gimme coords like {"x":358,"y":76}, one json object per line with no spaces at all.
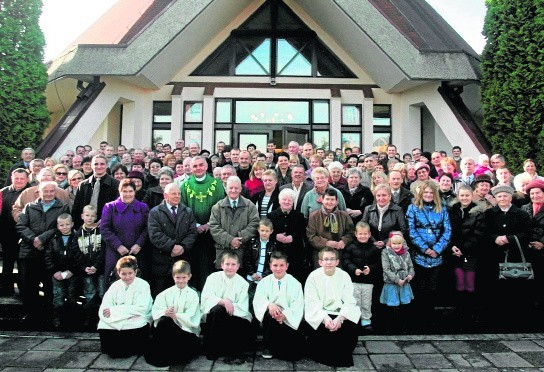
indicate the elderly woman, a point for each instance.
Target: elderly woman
{"x":313,"y":198}
{"x":152,"y":179}
{"x":429,"y":229}
{"x":383,"y":216}
{"x":289,"y":232}
{"x":520,"y":196}
{"x":329,"y":226}
{"x":137,"y":179}
{"x":535,"y":189}
{"x":267,"y":200}
{"x":357,"y":196}
{"x":124,"y":229}
{"x":155,"y":195}
{"x":506,"y":226}
{"x":255,"y":183}
{"x":335,"y":174}
{"x":529,"y":168}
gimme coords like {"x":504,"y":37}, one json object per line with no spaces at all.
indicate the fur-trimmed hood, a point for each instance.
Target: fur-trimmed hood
{"x":475,"y":208}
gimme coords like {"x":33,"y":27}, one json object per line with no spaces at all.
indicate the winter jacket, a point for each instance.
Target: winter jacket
{"x":109,"y":190}
{"x":467,"y":233}
{"x":89,"y":242}
{"x":252,"y":252}
{"x":537,"y":228}
{"x":428,"y":230}
{"x":357,"y":255}
{"x":396,"y":267}
{"x":62,"y":257}
{"x":153,"y":196}
{"x":361,"y":198}
{"x":34,"y":222}
{"x":392,"y":220}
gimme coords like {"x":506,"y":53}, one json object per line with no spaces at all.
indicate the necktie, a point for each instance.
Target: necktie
{"x":96,"y":191}
{"x":174,"y":212}
{"x":234,"y":205}
{"x":279,"y":285}
{"x":396,"y":196}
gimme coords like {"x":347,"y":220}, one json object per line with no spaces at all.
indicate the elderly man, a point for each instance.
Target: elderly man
{"x":244,"y":166}
{"x":233,"y":222}
{"x":294,"y":149}
{"x":201,"y":192}
{"x":194,"y":149}
{"x":228,"y":170}
{"x":36,"y":225}
{"x":172,"y":233}
{"x":466,"y":177}
{"x":314,"y":198}
{"x":9,"y":238}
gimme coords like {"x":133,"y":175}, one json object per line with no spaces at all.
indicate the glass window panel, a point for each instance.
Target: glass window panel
{"x":351,"y":115}
{"x":161,"y":135}
{"x":223,"y":135}
{"x":351,"y":140}
{"x":259,"y":140}
{"x":382,"y":115}
{"x":193,"y":112}
{"x":328,"y":65}
{"x":162,"y":118}
{"x":192,"y":135}
{"x":380,"y":140}
{"x":223,"y":111}
{"x":290,"y":61}
{"x":321,"y":138}
{"x":162,"y":112}
{"x":253,"y":56}
{"x":321,"y":112}
{"x":272,"y":112}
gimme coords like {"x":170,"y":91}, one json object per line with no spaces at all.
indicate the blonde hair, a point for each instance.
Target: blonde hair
{"x":396,"y":237}
{"x":257,"y":165}
{"x":418,"y":200}
{"x":181,"y":267}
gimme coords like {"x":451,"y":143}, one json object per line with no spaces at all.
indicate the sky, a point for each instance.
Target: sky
{"x":59,"y":16}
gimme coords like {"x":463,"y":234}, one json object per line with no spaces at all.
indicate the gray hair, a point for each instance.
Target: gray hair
{"x":356,"y":171}
{"x":335,"y":165}
{"x":234,"y":179}
{"x":167,"y":171}
{"x":287,"y":192}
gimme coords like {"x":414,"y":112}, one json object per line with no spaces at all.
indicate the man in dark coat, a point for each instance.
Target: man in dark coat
{"x":172,"y":232}
{"x":109,"y":190}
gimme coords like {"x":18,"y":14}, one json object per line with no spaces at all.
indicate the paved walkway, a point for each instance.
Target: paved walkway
{"x":65,"y":351}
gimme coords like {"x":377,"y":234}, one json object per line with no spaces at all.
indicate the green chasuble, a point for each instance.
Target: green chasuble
{"x":201,"y":196}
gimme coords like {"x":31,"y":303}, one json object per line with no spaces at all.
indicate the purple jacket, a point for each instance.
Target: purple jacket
{"x":122,"y":224}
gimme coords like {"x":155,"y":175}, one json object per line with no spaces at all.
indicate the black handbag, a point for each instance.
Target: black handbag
{"x":516,"y":270}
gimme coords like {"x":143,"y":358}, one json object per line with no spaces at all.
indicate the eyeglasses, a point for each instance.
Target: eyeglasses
{"x":65,"y":161}
{"x":329,"y":259}
{"x":61,"y":173}
{"x":77,"y":179}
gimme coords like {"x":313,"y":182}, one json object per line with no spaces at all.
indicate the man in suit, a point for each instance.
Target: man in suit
{"x":400,"y":196}
{"x":299,"y":185}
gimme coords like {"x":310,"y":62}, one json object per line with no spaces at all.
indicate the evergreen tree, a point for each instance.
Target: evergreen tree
{"x":23,"y":77}
{"x":513,"y":79}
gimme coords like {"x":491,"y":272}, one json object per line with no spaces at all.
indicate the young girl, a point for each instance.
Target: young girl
{"x":398,"y":271}
{"x":125,"y":313}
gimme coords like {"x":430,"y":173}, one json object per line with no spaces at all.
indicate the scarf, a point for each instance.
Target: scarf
{"x":381,"y":212}
{"x":330,"y":221}
{"x":400,"y":252}
{"x":536,"y":208}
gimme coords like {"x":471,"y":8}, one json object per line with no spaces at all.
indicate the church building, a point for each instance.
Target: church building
{"x":337,"y":73}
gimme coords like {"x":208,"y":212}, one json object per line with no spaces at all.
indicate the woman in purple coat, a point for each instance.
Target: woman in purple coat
{"x":124,"y":229}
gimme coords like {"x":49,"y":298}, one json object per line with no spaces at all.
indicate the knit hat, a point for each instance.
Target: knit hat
{"x":483,"y":178}
{"x":136,"y":174}
{"x":420,"y":165}
{"x":539,"y":184}
{"x":502,"y":188}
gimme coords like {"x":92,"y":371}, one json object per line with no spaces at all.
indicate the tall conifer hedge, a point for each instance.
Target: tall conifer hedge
{"x":23,"y":77}
{"x":513,"y":80}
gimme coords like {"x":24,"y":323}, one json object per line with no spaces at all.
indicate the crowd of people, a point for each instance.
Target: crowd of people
{"x":297,"y":243}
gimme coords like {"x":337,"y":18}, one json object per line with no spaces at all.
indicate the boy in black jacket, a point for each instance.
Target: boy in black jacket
{"x":362,"y":261}
{"x":65,"y":263}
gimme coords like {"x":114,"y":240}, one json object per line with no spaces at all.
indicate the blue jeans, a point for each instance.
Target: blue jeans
{"x":64,"y":291}
{"x":93,"y":290}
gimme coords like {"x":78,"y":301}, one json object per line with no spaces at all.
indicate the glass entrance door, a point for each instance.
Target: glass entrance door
{"x":258,"y":139}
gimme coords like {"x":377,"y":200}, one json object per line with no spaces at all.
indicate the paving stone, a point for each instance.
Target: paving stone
{"x":21,"y":343}
{"x":535,"y":358}
{"x":507,"y":359}
{"x":36,"y":358}
{"x":473,"y":360}
{"x":382,"y":347}
{"x":307,"y":364}
{"x":59,"y":344}
{"x":360,"y":363}
{"x":63,"y":370}
{"x":6,"y":357}
{"x":456,"y":347}
{"x":522,"y":346}
{"x":86,"y":345}
{"x":105,"y":362}
{"x":491,"y":346}
{"x":141,"y":365}
{"x":458,"y":360}
{"x":360,"y":349}
{"x":222,"y":364}
{"x":417,"y":347}
{"x":432,"y":361}
{"x":261,"y":364}
{"x":75,"y":359}
{"x":3,"y":339}
{"x":18,"y":369}
{"x":391,"y":362}
{"x":197,"y":364}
